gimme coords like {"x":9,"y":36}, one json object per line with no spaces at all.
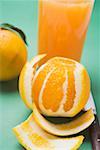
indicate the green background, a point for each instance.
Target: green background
{"x":23,"y":13}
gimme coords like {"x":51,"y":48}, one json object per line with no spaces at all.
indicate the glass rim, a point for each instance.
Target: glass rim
{"x":65,"y":2}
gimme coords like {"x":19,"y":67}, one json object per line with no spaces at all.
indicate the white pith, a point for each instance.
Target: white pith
{"x":26,"y":140}
{"x":54,"y":142}
{"x":28,"y":82}
{"x":40,"y":130}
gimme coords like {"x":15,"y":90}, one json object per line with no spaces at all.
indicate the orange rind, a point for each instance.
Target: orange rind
{"x":32,"y":137}
{"x":26,"y":79}
{"x":66,"y":129}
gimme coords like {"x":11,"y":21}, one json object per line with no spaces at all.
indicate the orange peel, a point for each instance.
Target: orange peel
{"x":26,"y":78}
{"x":32,"y":137}
{"x":66,"y":129}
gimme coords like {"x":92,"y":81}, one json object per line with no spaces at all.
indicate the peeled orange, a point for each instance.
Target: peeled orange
{"x":61,"y":87}
{"x":58,"y":88}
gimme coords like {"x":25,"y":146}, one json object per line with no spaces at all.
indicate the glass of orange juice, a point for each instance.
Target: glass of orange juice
{"x":62,"y":27}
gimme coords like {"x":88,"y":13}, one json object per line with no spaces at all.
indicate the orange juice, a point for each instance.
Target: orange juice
{"x":62,"y":27}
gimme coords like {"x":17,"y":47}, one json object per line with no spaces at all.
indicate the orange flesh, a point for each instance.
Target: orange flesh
{"x":53,"y":92}
{"x":40,"y":79}
{"x":38,"y":84}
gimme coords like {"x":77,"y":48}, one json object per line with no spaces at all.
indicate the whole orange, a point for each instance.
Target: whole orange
{"x":13,"y":54}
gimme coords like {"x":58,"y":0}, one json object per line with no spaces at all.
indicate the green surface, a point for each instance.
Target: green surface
{"x":23,"y":13}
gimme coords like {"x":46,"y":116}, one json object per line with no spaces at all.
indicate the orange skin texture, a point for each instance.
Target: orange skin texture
{"x":13,"y":54}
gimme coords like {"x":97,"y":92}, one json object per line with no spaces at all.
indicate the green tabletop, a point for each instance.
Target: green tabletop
{"x":23,"y":13}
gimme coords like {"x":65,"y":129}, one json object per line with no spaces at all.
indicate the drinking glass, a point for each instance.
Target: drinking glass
{"x":63,"y":26}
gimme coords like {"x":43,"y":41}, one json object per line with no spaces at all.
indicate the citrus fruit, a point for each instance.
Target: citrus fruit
{"x":32,"y":137}
{"x":26,"y":78}
{"x":61,"y":87}
{"x":66,"y":129}
{"x":13,"y":54}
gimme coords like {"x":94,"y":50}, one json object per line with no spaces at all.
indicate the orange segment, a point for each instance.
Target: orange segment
{"x":38,"y":81}
{"x":53,"y":92}
{"x":41,"y":75}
